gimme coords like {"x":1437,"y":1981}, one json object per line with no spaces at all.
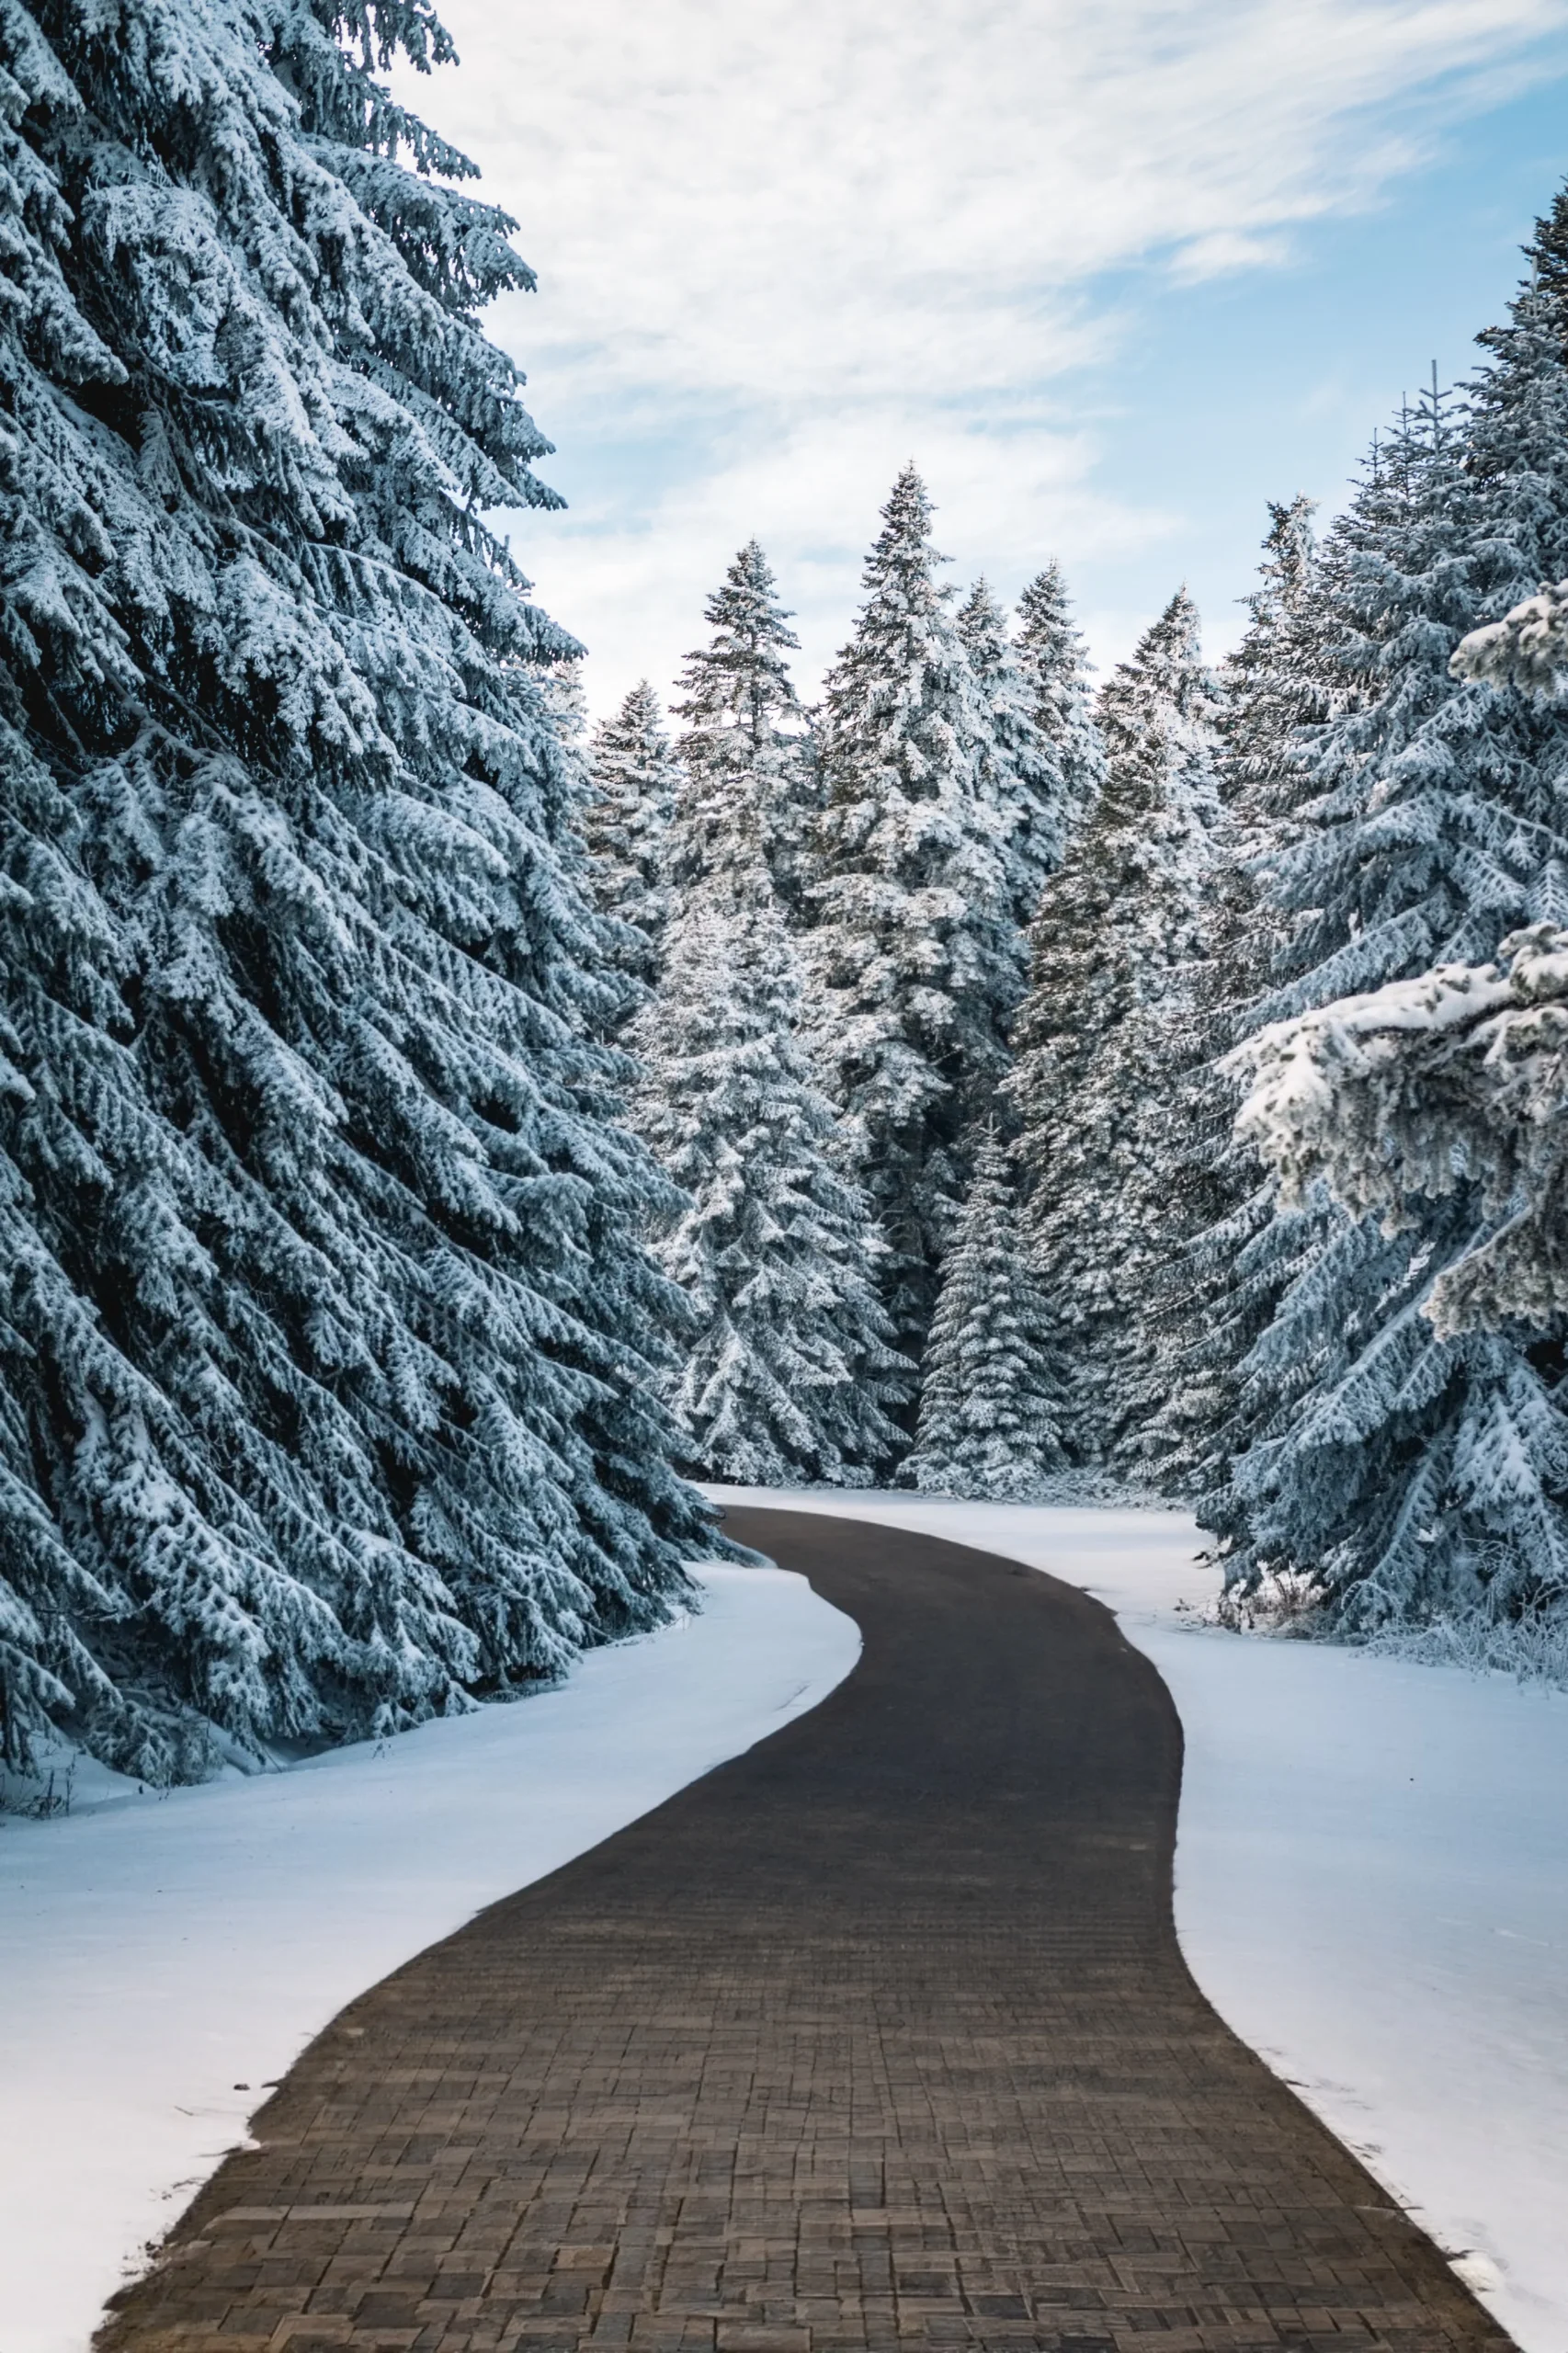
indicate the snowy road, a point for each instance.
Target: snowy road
{"x":1372,"y":1887}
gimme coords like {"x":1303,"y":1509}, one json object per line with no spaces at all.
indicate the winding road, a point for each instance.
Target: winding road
{"x":877,"y":2037}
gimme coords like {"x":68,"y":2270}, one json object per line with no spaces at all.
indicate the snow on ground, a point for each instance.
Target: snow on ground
{"x":164,"y":1957}
{"x":1371,"y":1885}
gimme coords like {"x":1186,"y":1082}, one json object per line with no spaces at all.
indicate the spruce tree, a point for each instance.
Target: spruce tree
{"x":1410,"y":1468}
{"x":993,"y":1393}
{"x":326,"y":1340}
{"x":1051,"y":655}
{"x":747,"y":749}
{"x":1021,"y":772}
{"x":1217,"y":1292}
{"x":1119,"y":935}
{"x":916,"y":945}
{"x":789,"y":1375}
{"x":633,"y":777}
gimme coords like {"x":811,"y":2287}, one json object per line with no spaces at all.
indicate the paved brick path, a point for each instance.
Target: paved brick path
{"x":879,"y":2037}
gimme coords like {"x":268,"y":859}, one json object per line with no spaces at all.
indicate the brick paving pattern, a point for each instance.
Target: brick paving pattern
{"x":877,"y":2038}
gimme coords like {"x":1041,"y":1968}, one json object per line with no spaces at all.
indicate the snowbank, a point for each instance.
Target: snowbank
{"x":1372,"y":1885}
{"x":164,"y":1957}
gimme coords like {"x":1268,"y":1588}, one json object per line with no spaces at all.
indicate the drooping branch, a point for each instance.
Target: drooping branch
{"x":1455,"y":1079}
{"x":1528,"y":648}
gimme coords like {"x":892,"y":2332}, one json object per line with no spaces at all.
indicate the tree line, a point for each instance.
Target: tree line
{"x":420,"y":1146}
{"x":1043,"y":947}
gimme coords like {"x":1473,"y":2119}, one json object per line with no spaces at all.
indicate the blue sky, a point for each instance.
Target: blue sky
{"x":1256,"y":384}
{"x":1114,"y":276}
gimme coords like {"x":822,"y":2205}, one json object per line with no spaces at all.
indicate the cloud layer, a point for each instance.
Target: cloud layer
{"x":781,"y":247}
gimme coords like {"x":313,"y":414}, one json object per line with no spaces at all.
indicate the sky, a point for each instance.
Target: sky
{"x":1114,"y":276}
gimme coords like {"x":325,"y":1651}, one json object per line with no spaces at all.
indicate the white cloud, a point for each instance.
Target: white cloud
{"x":811,"y":492}
{"x":782,"y":246}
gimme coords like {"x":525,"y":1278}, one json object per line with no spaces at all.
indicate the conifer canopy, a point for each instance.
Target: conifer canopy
{"x":326,"y":1333}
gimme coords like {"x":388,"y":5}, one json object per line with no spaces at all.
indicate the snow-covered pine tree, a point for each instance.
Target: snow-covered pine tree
{"x":1408,"y":1469}
{"x":325,"y":1334}
{"x":789,"y":1375}
{"x":634,"y":777}
{"x":1022,"y":772}
{"x":1119,"y":934}
{"x":747,"y":749}
{"x":915,"y":946}
{"x":1051,"y":656}
{"x":993,"y":1394}
{"x":1217,"y":1293}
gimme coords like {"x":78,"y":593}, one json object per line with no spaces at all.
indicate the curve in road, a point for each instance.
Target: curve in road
{"x":878,"y":2037}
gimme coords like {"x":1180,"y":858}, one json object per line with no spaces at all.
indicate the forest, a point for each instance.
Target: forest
{"x":433,"y":1135}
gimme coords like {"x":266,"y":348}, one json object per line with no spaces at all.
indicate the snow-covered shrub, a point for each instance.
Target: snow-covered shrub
{"x":1532,"y":1648}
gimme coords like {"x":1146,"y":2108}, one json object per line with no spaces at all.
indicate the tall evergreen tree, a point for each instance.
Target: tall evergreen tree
{"x":1121,"y":931}
{"x":916,"y":945}
{"x":326,"y":1338}
{"x":1412,"y":1470}
{"x":789,"y":1374}
{"x":1216,"y":1294}
{"x":633,"y":775}
{"x":993,"y":1394}
{"x":1050,"y":655}
{"x":747,"y":749}
{"x":1021,"y":772}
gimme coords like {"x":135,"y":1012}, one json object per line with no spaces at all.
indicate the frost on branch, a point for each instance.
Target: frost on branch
{"x":1456,"y":1080}
{"x":1528,"y":647}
